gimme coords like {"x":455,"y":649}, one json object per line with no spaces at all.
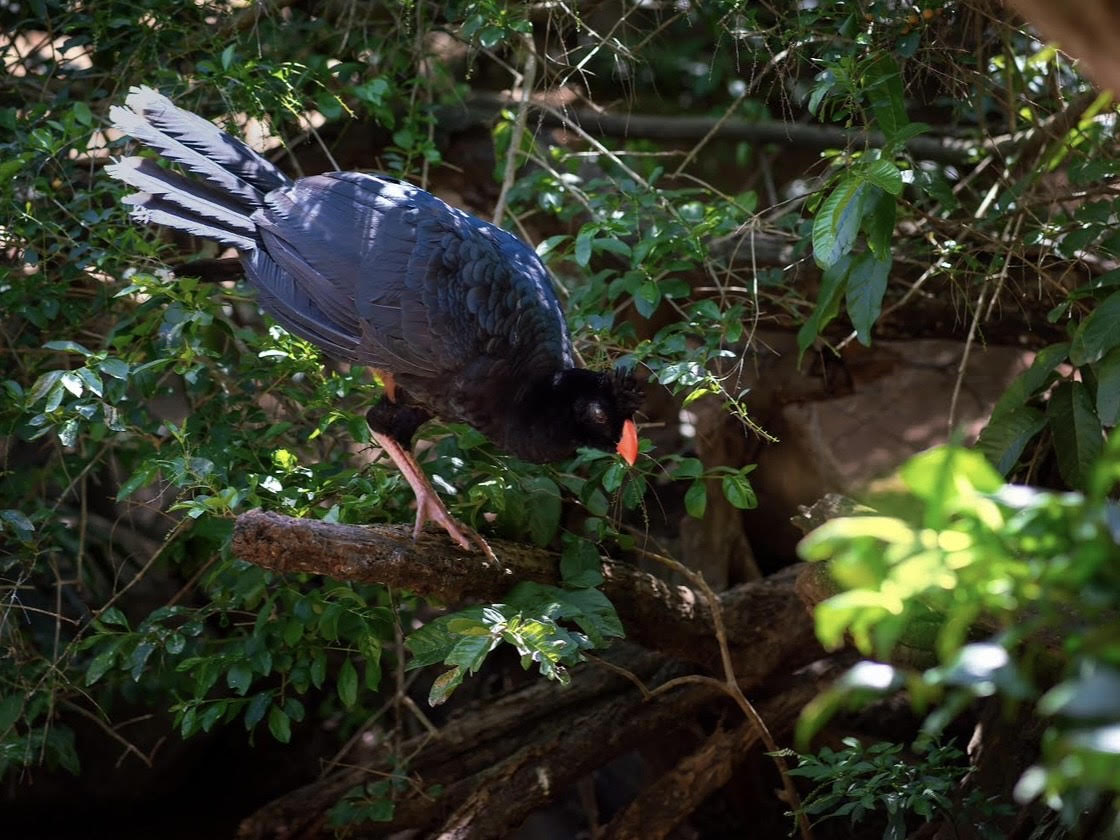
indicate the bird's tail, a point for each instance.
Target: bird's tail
{"x":235,"y":178}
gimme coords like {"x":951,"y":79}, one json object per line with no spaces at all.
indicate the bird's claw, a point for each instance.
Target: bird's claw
{"x":430,"y":508}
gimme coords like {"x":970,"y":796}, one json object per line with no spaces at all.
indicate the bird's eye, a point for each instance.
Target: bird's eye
{"x":597,"y":413}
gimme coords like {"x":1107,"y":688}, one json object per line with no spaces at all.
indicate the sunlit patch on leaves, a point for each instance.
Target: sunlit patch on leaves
{"x":530,"y":622}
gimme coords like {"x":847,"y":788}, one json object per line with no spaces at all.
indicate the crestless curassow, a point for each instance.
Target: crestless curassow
{"x":457,"y":316}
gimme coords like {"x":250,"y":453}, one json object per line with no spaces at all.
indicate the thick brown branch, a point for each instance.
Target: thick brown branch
{"x":489,"y":735}
{"x":1087,"y":31}
{"x":662,"y":806}
{"x":767,"y":625}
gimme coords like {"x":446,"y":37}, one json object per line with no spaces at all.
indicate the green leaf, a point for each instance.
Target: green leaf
{"x":444,"y":684}
{"x":543,"y":506}
{"x":1098,"y":334}
{"x":373,"y":673}
{"x":687,"y":468}
{"x":828,"y":304}
{"x":611,"y":245}
{"x":101,"y":664}
{"x":837,"y":221}
{"x":44,"y":385}
{"x":432,"y":642}
{"x":647,"y":297}
{"x":1007,"y":435}
{"x":138,"y":479}
{"x":318,"y":669}
{"x":696,"y":499}
{"x":54,"y":398}
{"x":1032,"y":380}
{"x":1076,"y":431}
{"x":580,"y":564}
{"x":884,"y":91}
{"x":878,"y":224}
{"x":867,"y":283}
{"x":885,"y":175}
{"x":254,"y":712}
{"x":116,"y":368}
{"x":348,"y":684}
{"x":139,"y":658}
{"x":91,"y":381}
{"x":471,"y":651}
{"x":71,"y":382}
{"x":584,"y":239}
{"x":239,"y":677}
{"x":1108,"y":388}
{"x":737,"y":489}
{"x":279,"y":725}
{"x":491,"y":36}
{"x":18,"y":520}
{"x":293,"y":631}
{"x":593,"y":612}
{"x":67,"y":347}
{"x":11,"y":707}
{"x":187,"y":723}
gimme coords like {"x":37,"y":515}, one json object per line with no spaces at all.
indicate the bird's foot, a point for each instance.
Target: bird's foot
{"x":429,"y":508}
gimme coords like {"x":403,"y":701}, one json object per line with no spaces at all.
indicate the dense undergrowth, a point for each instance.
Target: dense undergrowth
{"x":143,"y":410}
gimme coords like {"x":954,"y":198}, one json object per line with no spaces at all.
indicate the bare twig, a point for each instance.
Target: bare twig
{"x":730,"y":684}
{"x":528,"y":77}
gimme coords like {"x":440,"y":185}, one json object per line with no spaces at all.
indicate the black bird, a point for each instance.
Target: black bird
{"x":456,"y":315}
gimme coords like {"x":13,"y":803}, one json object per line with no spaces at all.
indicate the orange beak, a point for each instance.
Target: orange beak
{"x":628,"y":443}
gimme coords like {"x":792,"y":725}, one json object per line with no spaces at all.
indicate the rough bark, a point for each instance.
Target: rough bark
{"x":767,"y":625}
{"x":500,"y":761}
{"x":1088,"y":31}
{"x":532,"y":742}
{"x":670,"y":799}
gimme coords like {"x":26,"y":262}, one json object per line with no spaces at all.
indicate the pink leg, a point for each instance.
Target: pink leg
{"x":428,"y":504}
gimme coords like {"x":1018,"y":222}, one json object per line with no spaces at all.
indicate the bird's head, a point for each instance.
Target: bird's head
{"x":579,"y":407}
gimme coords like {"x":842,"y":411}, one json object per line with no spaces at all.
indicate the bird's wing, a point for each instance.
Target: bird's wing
{"x":427,"y":289}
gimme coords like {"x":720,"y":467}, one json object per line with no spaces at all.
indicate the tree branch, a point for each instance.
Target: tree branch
{"x":668,"y":800}
{"x":767,"y":625}
{"x":482,"y":107}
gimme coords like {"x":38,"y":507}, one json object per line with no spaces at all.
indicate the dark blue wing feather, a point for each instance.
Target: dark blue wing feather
{"x":428,"y":288}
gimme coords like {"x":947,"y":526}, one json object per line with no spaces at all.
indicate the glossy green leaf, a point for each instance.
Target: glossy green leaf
{"x":1108,"y":388}
{"x":837,"y":221}
{"x":885,"y":175}
{"x":1007,"y":435}
{"x":543,"y":506}
{"x":1076,"y":430}
{"x":696,"y":499}
{"x":444,"y":685}
{"x":737,"y":489}
{"x":580,"y":564}
{"x":867,"y":283}
{"x":348,"y":683}
{"x":828,"y":304}
{"x":1098,"y":334}
{"x":239,"y":677}
{"x":279,"y":725}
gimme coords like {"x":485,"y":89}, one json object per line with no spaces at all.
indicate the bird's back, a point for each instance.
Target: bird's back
{"x":461,"y":312}
{"x":369,"y":268}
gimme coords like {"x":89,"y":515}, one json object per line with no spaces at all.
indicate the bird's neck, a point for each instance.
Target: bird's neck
{"x":538,"y":426}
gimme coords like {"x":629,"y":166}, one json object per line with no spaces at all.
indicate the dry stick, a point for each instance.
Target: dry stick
{"x":967,"y":353}
{"x":718,"y":124}
{"x":528,"y":77}
{"x":108,"y":730}
{"x":730,"y":685}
